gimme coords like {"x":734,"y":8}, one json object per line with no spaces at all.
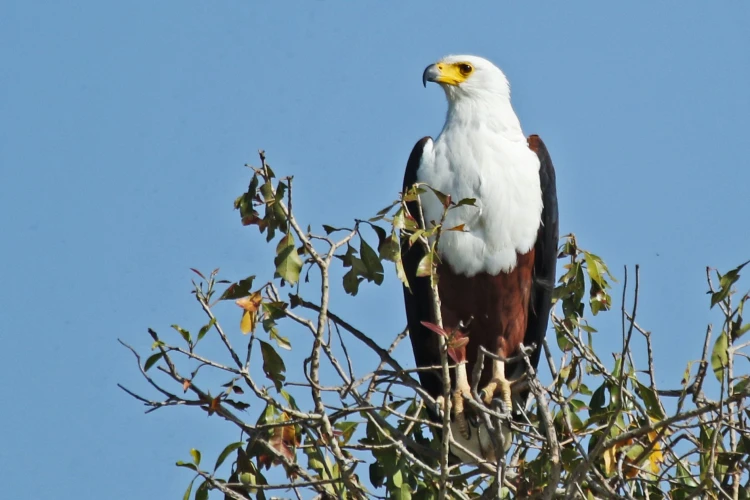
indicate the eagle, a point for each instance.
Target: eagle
{"x":496,"y":269}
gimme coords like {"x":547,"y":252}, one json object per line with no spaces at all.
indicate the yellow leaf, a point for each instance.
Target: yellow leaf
{"x":251,"y":303}
{"x":247,"y":324}
{"x":656,"y":457}
{"x":610,"y":459}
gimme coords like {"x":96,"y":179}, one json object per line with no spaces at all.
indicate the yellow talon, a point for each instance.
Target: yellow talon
{"x":494,"y":386}
{"x":459,"y":415}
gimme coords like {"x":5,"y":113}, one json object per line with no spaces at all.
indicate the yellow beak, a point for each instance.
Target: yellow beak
{"x":442,"y":73}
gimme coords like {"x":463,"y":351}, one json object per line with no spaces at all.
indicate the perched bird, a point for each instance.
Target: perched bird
{"x":496,"y":270}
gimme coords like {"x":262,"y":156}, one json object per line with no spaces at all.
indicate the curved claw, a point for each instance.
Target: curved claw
{"x":439,"y":404}
{"x":485,"y":395}
{"x":499,"y":405}
{"x":459,"y":415}
{"x":499,"y":386}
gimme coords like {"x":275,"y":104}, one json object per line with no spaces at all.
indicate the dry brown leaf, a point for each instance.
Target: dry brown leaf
{"x":284,"y":440}
{"x":214,"y":405}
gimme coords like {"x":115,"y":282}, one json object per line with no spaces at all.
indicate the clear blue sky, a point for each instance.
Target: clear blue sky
{"x":124,"y":127}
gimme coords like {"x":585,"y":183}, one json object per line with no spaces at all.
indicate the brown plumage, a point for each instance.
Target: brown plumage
{"x":493,"y":308}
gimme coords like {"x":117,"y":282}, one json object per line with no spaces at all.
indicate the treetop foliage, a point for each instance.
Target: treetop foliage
{"x":597,"y":427}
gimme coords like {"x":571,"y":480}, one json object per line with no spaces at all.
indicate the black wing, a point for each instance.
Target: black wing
{"x":418,"y":300}
{"x":545,"y":262}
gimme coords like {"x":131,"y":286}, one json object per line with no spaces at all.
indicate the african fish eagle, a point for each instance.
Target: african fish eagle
{"x":496,"y":276}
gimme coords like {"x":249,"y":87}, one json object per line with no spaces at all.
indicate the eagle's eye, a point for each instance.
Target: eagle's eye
{"x":465,"y":69}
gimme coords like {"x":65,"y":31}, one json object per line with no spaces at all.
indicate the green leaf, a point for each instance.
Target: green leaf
{"x":330,"y":229}
{"x":599,"y":300}
{"x":238,"y":290}
{"x":347,"y":429}
{"x":424,"y":268}
{"x":371,"y":262}
{"x":684,"y":475}
{"x":377,"y":474}
{"x":389,"y":248}
{"x":403,"y":493}
{"x":196,"y":454}
{"x":401,"y":273}
{"x":274,"y":310}
{"x":562,"y":341}
{"x":445,"y":199}
{"x":287,"y":261}
{"x":351,"y":282}
{"x":467,"y":201}
{"x":397,"y":478}
{"x":203,"y":331}
{"x":202,"y":492}
{"x":635,"y":451}
{"x":739,"y":331}
{"x":278,"y":212}
{"x":273,"y":365}
{"x":224,"y":454}
{"x":743,"y":386}
{"x":152,"y":360}
{"x":282,"y":342}
{"x":382,"y":233}
{"x":349,"y":257}
{"x":383,"y":212}
{"x":189,"y":490}
{"x":184,"y":333}
{"x":289,"y":399}
{"x":399,"y":219}
{"x":575,"y":421}
{"x":266,"y":190}
{"x":187,"y":465}
{"x":592,"y":266}
{"x":720,"y":356}
{"x":725,"y":283}
{"x":651,"y":400}
{"x":415,"y":236}
{"x":315,"y":463}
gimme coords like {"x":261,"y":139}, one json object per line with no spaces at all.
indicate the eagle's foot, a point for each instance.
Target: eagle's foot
{"x":459,"y":414}
{"x":439,"y":404}
{"x":497,"y":386}
{"x":499,"y":406}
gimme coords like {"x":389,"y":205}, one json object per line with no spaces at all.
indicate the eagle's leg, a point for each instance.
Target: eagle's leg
{"x":462,"y":390}
{"x":498,"y":382}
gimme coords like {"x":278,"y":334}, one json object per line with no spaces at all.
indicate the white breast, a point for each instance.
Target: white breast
{"x":503,"y":175}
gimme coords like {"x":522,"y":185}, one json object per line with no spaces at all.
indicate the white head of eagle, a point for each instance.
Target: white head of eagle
{"x":497,"y":258}
{"x":468,"y":76}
